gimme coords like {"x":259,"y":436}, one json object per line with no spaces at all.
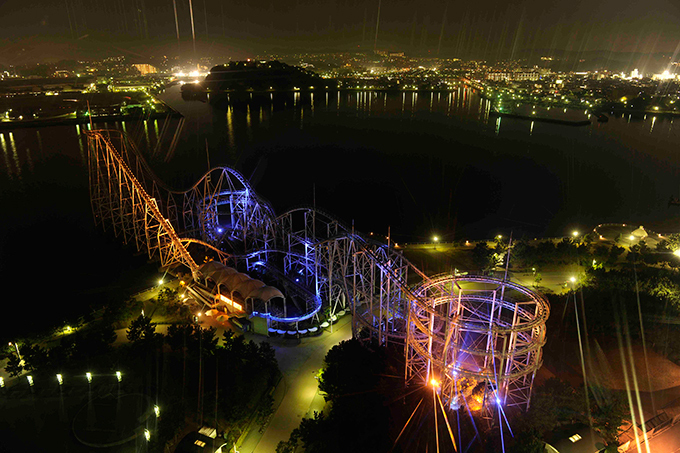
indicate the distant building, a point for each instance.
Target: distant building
{"x":517,"y":76}
{"x":575,"y":439}
{"x":204,"y":440}
{"x":37,"y":86}
{"x":666,"y":75}
{"x":145,"y":69}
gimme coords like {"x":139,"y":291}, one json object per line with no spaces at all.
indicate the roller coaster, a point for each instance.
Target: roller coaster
{"x":478,"y":338}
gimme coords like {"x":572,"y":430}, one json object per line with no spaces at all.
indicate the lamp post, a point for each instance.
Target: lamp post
{"x":435,"y":239}
{"x":16,"y":346}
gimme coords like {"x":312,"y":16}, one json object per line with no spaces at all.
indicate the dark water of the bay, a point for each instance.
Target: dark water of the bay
{"x":421,"y":163}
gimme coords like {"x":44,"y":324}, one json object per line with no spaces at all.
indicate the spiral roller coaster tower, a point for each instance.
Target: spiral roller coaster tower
{"x":478,"y":338}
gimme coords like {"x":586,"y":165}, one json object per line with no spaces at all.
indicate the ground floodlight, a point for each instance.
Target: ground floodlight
{"x":29,"y":378}
{"x":147,"y":435}
{"x":119,"y":376}
{"x":60,"y":379}
{"x":88,"y":375}
{"x":157,"y":410}
{"x":2,"y":382}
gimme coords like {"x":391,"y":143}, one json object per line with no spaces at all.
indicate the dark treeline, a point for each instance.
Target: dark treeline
{"x":185,"y":371}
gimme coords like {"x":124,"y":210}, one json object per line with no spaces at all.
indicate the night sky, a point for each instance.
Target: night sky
{"x":35,"y":30}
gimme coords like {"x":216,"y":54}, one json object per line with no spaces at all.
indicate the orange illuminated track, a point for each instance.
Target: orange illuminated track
{"x":464,"y":332}
{"x":119,"y":200}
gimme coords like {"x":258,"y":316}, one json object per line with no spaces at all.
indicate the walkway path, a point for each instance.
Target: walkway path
{"x":298,"y":390}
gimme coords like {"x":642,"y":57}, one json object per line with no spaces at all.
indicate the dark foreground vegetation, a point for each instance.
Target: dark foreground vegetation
{"x":194,"y":381}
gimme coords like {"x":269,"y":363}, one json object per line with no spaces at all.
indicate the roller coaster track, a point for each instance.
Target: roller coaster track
{"x":447,"y":328}
{"x":120,"y":200}
{"x":220,"y":205}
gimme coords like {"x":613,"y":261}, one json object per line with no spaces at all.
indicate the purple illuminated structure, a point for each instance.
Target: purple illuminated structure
{"x":481,"y":338}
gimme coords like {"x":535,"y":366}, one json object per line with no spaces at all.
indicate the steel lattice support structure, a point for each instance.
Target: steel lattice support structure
{"x":380,"y":292}
{"x":460,"y":331}
{"x":467,"y":331}
{"x":347,"y":271}
{"x":120,"y":200}
{"x":220,"y":206}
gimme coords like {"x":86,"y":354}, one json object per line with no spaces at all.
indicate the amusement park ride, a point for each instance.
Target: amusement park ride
{"x":478,"y":338}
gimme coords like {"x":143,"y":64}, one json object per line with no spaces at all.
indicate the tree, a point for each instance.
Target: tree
{"x":662,"y":246}
{"x":268,"y":361}
{"x":171,"y":421}
{"x":166,"y":295}
{"x":527,"y":442}
{"x":141,"y":330}
{"x":14,"y":366}
{"x":351,"y":378}
{"x":94,"y":342}
{"x":177,"y":335}
{"x":35,"y":357}
{"x":673,"y":241}
{"x":348,"y":367}
{"x":614,"y":254}
{"x":121,"y":309}
{"x":608,"y":413}
{"x":482,"y":256}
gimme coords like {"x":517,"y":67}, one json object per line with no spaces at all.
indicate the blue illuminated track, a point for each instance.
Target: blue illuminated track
{"x":453,"y":327}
